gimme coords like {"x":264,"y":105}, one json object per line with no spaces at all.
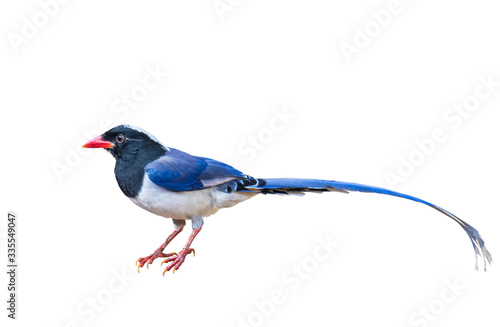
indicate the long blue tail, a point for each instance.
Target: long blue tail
{"x":299,"y":186}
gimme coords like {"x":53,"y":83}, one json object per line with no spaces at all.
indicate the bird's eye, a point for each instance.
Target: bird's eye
{"x":120,"y":138}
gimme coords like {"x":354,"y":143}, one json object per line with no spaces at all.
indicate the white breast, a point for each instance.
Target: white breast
{"x":184,"y":205}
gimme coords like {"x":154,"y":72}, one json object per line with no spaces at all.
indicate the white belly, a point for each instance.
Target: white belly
{"x":184,"y":205}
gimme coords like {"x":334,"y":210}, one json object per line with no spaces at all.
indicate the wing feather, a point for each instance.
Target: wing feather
{"x":178,"y":171}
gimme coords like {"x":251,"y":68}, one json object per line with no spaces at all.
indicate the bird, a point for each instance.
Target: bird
{"x":174,"y":184}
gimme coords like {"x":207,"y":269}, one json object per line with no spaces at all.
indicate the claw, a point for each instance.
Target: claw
{"x":167,"y":260}
{"x":176,"y":261}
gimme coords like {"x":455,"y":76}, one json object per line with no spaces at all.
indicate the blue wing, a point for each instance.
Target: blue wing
{"x":178,"y":171}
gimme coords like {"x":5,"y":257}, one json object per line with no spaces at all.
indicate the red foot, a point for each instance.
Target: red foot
{"x":150,"y":258}
{"x":177,"y":261}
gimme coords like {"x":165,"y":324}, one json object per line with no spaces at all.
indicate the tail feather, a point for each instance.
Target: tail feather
{"x":299,"y":186}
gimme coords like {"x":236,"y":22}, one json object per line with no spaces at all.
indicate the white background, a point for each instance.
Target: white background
{"x":228,"y":74}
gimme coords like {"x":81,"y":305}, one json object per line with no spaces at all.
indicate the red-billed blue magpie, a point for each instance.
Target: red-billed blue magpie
{"x":173,"y":184}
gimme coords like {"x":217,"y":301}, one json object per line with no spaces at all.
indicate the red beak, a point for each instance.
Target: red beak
{"x":98,"y":142}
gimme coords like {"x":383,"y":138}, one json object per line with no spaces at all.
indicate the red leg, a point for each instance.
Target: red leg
{"x":177,"y":261}
{"x":159,"y":252}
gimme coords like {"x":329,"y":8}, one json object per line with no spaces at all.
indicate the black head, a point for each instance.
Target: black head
{"x":133,"y":148}
{"x":126,"y":142}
